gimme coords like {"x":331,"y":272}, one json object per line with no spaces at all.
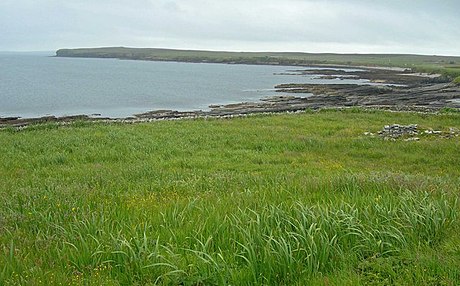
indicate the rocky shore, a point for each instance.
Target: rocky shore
{"x":21,"y":122}
{"x":388,"y":89}
{"x":433,"y":97}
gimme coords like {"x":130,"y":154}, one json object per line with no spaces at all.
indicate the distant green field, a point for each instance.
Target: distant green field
{"x":446,"y":65}
{"x":287,"y":199}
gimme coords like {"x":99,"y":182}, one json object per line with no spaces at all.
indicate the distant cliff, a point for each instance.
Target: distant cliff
{"x":152,"y":54}
{"x":447,"y":65}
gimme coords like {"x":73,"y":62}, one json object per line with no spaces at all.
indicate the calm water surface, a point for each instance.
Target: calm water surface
{"x":33,"y":85}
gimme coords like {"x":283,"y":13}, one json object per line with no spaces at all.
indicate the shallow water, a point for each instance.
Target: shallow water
{"x":33,"y":85}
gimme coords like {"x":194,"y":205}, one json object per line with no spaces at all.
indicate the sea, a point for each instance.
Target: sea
{"x":40,"y":84}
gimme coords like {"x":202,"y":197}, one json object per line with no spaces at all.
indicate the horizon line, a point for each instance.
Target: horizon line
{"x":232,"y":51}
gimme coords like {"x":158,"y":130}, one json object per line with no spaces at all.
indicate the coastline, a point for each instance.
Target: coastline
{"x":386,"y":88}
{"x":278,"y":105}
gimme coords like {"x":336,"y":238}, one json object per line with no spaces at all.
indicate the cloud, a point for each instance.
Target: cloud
{"x":322,"y":25}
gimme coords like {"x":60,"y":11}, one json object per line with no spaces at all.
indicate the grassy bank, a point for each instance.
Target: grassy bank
{"x":289,"y":199}
{"x":449,"y":66}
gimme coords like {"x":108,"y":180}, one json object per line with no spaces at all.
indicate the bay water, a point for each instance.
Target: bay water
{"x":38,"y":84}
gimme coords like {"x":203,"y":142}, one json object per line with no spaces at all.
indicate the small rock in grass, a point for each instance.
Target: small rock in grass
{"x":412,"y":139}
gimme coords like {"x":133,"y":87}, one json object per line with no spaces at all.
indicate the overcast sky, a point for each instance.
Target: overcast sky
{"x":358,"y":26}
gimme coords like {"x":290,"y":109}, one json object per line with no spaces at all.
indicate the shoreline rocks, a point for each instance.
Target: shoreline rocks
{"x":411,"y":93}
{"x":435,"y":96}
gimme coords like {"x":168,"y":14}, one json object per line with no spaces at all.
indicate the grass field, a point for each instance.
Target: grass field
{"x":289,"y":199}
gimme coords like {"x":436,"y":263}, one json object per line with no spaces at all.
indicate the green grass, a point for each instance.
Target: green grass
{"x":457,"y":80}
{"x":291,"y":199}
{"x":448,"y":66}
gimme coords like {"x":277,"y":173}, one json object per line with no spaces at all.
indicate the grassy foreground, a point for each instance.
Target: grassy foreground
{"x":292,"y":199}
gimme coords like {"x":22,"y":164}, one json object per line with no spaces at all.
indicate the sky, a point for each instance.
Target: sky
{"x":350,"y":26}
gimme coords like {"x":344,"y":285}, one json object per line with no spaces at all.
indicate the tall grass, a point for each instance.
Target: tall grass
{"x":226,"y":238}
{"x":272,"y":200}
